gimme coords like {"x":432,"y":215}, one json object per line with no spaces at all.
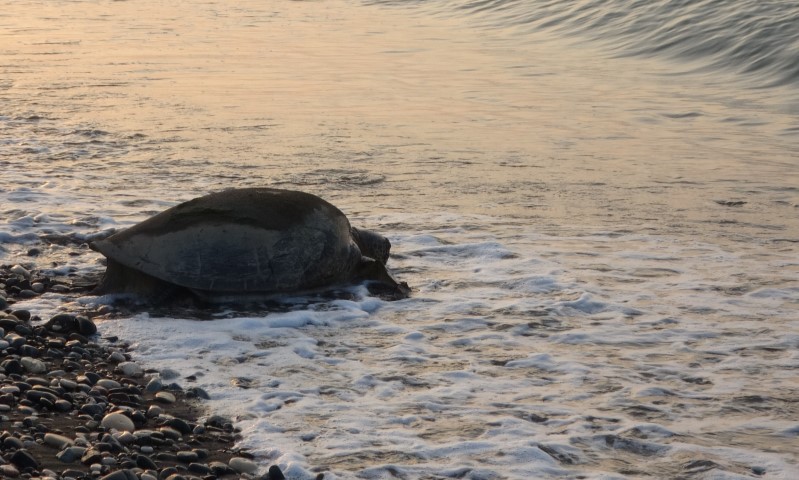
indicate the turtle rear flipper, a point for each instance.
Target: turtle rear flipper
{"x":121,"y":279}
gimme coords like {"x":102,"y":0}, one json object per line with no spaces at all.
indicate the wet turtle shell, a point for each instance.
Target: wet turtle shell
{"x":254,"y":240}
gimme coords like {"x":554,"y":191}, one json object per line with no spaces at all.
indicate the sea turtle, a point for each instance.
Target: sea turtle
{"x":245,"y":244}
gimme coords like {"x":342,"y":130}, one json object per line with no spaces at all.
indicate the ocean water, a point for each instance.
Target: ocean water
{"x":596,"y":204}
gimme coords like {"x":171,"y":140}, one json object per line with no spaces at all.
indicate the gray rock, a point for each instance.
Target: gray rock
{"x":71,"y":454}
{"x":121,"y":475}
{"x":20,"y":270}
{"x":116,"y":357}
{"x":107,"y":383}
{"x":33,"y":365}
{"x":169,"y":374}
{"x":187,"y":456}
{"x":57,"y":441}
{"x":8,"y":471}
{"x":130,"y":369}
{"x":165,"y":397}
{"x":154,"y":385}
{"x":243,"y":465}
{"x":118,"y":421}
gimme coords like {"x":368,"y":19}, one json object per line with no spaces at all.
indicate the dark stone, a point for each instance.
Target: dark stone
{"x":8,"y":324}
{"x":92,"y":409}
{"x":167,"y":472}
{"x":274,"y":473}
{"x":199,"y":469}
{"x":22,"y":315}
{"x":12,"y":366}
{"x":197,"y":392}
{"x":145,"y":462}
{"x":63,"y":323}
{"x":23,"y":330}
{"x":39,"y":395}
{"x":121,"y":475}
{"x":73,"y":474}
{"x":23,"y":459}
{"x":221,"y":469}
{"x":91,"y":456}
{"x":187,"y":456}
{"x":85,"y":326}
{"x":12,"y":443}
{"x":180,"y":425}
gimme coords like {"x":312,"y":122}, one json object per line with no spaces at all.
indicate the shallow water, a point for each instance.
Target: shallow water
{"x":602,"y":242}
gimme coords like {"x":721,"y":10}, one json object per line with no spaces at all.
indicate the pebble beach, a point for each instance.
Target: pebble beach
{"x":73,"y":405}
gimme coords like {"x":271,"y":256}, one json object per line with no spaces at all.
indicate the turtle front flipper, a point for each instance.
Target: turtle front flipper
{"x":379,"y":281}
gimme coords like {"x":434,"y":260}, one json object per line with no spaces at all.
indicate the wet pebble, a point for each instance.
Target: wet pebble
{"x":165,"y":397}
{"x":33,"y":365}
{"x":57,"y":441}
{"x":243,"y":465}
{"x":118,"y":421}
{"x":130,"y":369}
{"x":71,"y":454}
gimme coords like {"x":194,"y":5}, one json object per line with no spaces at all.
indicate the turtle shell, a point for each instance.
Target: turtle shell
{"x":241,"y":241}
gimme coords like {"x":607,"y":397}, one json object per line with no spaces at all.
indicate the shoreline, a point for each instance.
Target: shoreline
{"x":74,"y":405}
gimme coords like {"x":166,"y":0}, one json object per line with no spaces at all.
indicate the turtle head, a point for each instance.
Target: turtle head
{"x":372,"y":245}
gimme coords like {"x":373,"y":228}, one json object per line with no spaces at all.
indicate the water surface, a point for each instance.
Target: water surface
{"x":595,"y":202}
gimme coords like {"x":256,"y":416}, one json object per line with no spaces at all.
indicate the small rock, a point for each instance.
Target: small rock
{"x":169,"y":374}
{"x":67,"y":384}
{"x":187,"y":456}
{"x":22,"y":315}
{"x":92,"y":409}
{"x":170,"y":433}
{"x":242,"y":465}
{"x":64,"y":323}
{"x":199,"y":469}
{"x":165,"y":397}
{"x":118,"y":421}
{"x":130,"y":369}
{"x":33,"y":365}
{"x":116,"y":357}
{"x":154,"y":385}
{"x":91,"y":457}
{"x":121,"y":475}
{"x":37,"y":287}
{"x":14,"y":340}
{"x":180,"y":425}
{"x":86,"y":326}
{"x":154,"y":411}
{"x":12,"y":443}
{"x":145,"y":462}
{"x":197,"y":392}
{"x":71,"y":454}
{"x":57,"y":441}
{"x":274,"y":473}
{"x":23,"y":459}
{"x":27,"y":293}
{"x":107,"y":383}
{"x":20,"y":270}
{"x":8,"y":471}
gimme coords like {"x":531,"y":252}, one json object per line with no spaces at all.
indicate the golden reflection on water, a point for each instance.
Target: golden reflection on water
{"x":450,"y":117}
